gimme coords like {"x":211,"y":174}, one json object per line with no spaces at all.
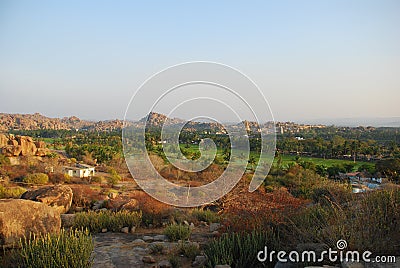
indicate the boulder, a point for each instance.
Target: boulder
{"x":3,"y":140}
{"x":199,"y":261}
{"x":132,"y":205}
{"x":148,"y":259}
{"x":11,"y":150}
{"x":27,"y":145}
{"x":40,"y":144}
{"x":214,"y":226}
{"x":58,"y":197}
{"x":42,"y":152}
{"x":19,"y":218}
{"x":12,"y":142}
{"x":164,"y":264}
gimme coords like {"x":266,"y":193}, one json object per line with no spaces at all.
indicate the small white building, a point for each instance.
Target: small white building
{"x":80,"y":171}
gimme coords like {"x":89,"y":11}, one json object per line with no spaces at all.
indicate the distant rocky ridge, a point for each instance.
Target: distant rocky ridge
{"x":37,"y":121}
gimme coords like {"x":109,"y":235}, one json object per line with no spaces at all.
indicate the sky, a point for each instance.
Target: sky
{"x":311,"y":59}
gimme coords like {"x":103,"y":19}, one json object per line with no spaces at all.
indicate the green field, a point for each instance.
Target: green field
{"x":286,"y":159}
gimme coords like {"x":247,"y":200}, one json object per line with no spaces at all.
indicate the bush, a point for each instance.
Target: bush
{"x":57,"y":178}
{"x":205,"y":215}
{"x":156,"y":248}
{"x":112,"y":221}
{"x":97,"y":179}
{"x":370,"y":222}
{"x":67,"y":249}
{"x":177,"y":232}
{"x":174,"y":261}
{"x":240,"y":249}
{"x":189,"y":250}
{"x":36,"y":178}
{"x":12,"y":192}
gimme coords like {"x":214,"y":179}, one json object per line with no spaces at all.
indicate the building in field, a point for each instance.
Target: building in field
{"x":80,"y":171}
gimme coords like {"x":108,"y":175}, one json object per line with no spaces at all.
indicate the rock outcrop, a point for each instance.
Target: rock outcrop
{"x":3,"y":140}
{"x":19,"y":218}
{"x":11,"y":145}
{"x":131,"y":205}
{"x":59,"y":197}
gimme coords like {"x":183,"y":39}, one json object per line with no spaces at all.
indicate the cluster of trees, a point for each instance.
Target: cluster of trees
{"x":337,"y":142}
{"x":96,"y":147}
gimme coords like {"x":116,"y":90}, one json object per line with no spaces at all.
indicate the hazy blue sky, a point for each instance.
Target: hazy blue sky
{"x":312,"y":59}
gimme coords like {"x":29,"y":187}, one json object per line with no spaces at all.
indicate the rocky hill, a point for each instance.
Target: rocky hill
{"x":37,"y":121}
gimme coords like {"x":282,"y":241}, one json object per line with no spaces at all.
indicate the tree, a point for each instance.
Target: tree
{"x":390,"y":168}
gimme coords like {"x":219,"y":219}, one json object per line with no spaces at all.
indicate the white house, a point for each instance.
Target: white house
{"x":80,"y":171}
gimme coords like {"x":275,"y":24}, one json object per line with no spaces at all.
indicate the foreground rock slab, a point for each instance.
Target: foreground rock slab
{"x":19,"y":218}
{"x":58,"y":197}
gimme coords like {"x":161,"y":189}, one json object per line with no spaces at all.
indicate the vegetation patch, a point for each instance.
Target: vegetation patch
{"x":177,"y":232}
{"x":36,"y":178}
{"x":67,"y":249}
{"x":112,"y":221}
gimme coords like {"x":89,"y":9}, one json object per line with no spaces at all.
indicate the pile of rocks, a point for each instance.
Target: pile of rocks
{"x":11,"y":145}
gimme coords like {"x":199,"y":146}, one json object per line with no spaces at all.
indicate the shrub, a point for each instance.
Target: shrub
{"x":113,"y":221}
{"x":97,"y":179}
{"x":57,"y":178}
{"x":67,"y":249}
{"x":12,"y":192}
{"x":240,"y":249}
{"x":114,"y":177}
{"x":370,"y":222}
{"x":205,"y":215}
{"x":156,"y":248}
{"x":189,"y":250}
{"x":177,"y":232}
{"x":174,"y":261}
{"x":36,"y":178}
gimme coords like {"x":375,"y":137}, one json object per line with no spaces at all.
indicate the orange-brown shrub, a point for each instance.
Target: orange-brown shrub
{"x":259,"y":210}
{"x":154,"y":211}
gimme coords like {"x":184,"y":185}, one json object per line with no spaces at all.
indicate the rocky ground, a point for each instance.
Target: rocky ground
{"x":118,"y":250}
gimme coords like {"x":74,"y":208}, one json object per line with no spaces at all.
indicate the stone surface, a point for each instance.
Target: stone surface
{"x":104,"y":230}
{"x":133,"y":230}
{"x":222,"y":266}
{"x":11,"y":150}
{"x":160,"y":238}
{"x":148,"y":259}
{"x":164,"y":264}
{"x":27,"y":145}
{"x":199,"y":261}
{"x":67,"y":220}
{"x":112,"y":195}
{"x":285,"y":265}
{"x":58,"y":197}
{"x":351,"y":264}
{"x":3,"y":140}
{"x":20,"y":217}
{"x":148,"y":238}
{"x":131,"y":205}
{"x":214,"y":226}
{"x":125,"y":230}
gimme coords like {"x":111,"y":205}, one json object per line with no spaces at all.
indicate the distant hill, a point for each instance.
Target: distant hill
{"x":37,"y":121}
{"x":355,"y":122}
